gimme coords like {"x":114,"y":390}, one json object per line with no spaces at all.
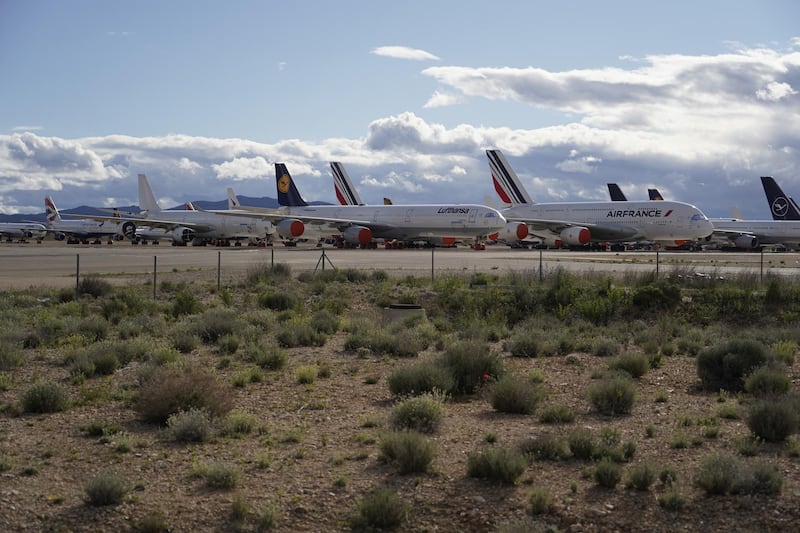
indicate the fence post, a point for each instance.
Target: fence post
{"x":656,"y":264}
{"x":77,"y":275}
{"x":219,"y":269}
{"x":154,"y":276}
{"x":541,"y":271}
{"x":432,"y":249}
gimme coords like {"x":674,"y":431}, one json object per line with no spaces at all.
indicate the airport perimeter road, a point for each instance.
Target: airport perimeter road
{"x":55,"y":264}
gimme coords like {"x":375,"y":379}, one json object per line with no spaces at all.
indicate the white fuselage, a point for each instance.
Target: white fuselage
{"x":22,"y":230}
{"x":616,"y":221}
{"x":85,"y":228}
{"x":214,"y":226}
{"x":405,"y":222}
{"x":767,"y":231}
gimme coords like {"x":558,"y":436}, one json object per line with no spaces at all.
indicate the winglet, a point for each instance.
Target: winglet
{"x":616,"y":193}
{"x":288,"y":195}
{"x":506,"y":182}
{"x":345,"y":192}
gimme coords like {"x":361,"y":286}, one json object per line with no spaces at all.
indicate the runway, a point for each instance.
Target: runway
{"x":55,"y":264}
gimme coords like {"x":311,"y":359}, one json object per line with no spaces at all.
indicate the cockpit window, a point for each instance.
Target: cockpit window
{"x":490,"y":214}
{"x":698,"y":216}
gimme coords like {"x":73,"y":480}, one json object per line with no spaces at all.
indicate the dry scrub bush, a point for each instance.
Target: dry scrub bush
{"x":175,"y":388}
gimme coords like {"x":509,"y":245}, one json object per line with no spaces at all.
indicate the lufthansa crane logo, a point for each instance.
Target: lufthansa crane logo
{"x":780,"y":206}
{"x":283,"y":183}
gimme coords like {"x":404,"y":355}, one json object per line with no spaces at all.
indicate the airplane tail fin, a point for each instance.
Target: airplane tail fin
{"x":288,"y":195}
{"x":51,"y":211}
{"x":387,"y":201}
{"x":654,"y":194}
{"x":616,"y":193}
{"x":233,"y":201}
{"x":345,"y":192}
{"x":505,"y":180}
{"x":781,"y":206}
{"x":147,"y":200}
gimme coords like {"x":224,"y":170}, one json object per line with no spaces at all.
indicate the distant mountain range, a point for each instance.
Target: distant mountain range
{"x":250,"y":201}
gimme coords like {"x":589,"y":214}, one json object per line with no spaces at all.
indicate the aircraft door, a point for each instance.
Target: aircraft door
{"x":409,"y":214}
{"x":473,"y":214}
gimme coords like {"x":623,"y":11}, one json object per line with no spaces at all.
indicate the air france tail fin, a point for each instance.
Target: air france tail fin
{"x":288,"y":195}
{"x":51,"y":211}
{"x":654,"y":194}
{"x":233,"y":201}
{"x":505,"y":180}
{"x":147,"y":200}
{"x":616,"y":193}
{"x":345,"y":192}
{"x":781,"y":206}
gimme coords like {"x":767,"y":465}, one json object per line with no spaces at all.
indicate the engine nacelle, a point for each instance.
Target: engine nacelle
{"x":357,"y":235}
{"x":747,"y":242}
{"x":576,"y":235}
{"x":128,"y":229}
{"x":27,"y":234}
{"x":291,"y":228}
{"x":513,"y":231}
{"x":59,"y":235}
{"x":118,"y":237}
{"x":182,"y":234}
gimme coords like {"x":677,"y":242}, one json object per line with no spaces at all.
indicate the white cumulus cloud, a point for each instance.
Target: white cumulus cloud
{"x":404,"y":52}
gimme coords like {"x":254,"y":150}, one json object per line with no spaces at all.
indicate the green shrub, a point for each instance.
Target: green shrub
{"x":727,"y":365}
{"x":671,"y":500}
{"x":228,"y":344}
{"x":219,"y":475}
{"x":184,"y":302}
{"x":106,"y":488}
{"x":45,"y":397}
{"x":306,"y":374}
{"x":607,"y":473}
{"x":185,"y":341}
{"x":10,"y":357}
{"x":774,"y":420}
{"x":635,"y":364}
{"x":194,"y":425}
{"x":523,"y":344}
{"x":279,"y":301}
{"x":539,"y":501}
{"x":171,"y":389}
{"x":471,"y":363}
{"x":268,"y":358}
{"x":582,"y":444}
{"x":767,"y":380}
{"x":94,"y":286}
{"x":543,"y":447}
{"x":604,"y":347}
{"x":613,"y":394}
{"x":215,"y":323}
{"x":298,"y":332}
{"x":238,"y":424}
{"x":718,"y":474}
{"x":641,"y":476}
{"x":407,"y":451}
{"x":556,"y":414}
{"x":503,"y":465}
{"x":784,"y":352}
{"x":381,"y":509}
{"x":419,"y":378}
{"x":762,"y":478}
{"x":421,"y":413}
{"x":324,"y":322}
{"x":512,"y":394}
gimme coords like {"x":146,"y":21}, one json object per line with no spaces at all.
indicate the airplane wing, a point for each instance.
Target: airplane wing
{"x":611,"y":232}
{"x":153,"y":223}
{"x":337,"y":224}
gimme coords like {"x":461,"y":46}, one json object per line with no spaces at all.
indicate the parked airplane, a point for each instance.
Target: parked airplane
{"x":186,"y":225}
{"x":782,"y":206}
{"x":22,"y":231}
{"x":75,"y":231}
{"x":616,"y":193}
{"x":751,"y":234}
{"x":578,"y":223}
{"x":347,"y":194}
{"x":358,"y":225}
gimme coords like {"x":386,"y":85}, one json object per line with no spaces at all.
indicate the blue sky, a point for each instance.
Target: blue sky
{"x":695,"y":98}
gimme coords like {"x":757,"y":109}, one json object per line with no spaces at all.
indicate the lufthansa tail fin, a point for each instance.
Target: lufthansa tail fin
{"x":147,"y":200}
{"x":505,"y":180}
{"x":616,"y":193}
{"x":51,"y":211}
{"x":288,"y":195}
{"x":781,"y":206}
{"x":654,"y":194}
{"x":345,"y":192}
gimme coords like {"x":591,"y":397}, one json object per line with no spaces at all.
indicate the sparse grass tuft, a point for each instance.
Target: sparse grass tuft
{"x":613,"y":395}
{"x":516,"y":395}
{"x":421,"y":413}
{"x":106,"y":488}
{"x":407,"y":451}
{"x":194,"y":425}
{"x":45,"y":397}
{"x":503,"y":465}
{"x":171,"y":389}
{"x":380,"y":510}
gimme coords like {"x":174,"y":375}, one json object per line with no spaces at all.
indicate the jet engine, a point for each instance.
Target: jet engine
{"x":576,"y":235}
{"x":59,"y":235}
{"x":513,"y":231}
{"x":182,"y":234}
{"x":27,"y":233}
{"x":747,"y":242}
{"x":129,"y":229}
{"x":357,"y":235}
{"x":118,"y":237}
{"x":291,"y":228}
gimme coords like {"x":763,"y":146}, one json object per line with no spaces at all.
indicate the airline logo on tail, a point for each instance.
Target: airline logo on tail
{"x":288,"y":195}
{"x":505,"y":180}
{"x":345,"y":192}
{"x":50,"y":209}
{"x":780,"y":206}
